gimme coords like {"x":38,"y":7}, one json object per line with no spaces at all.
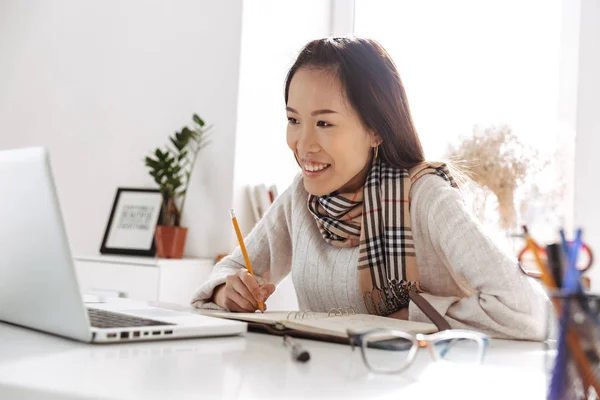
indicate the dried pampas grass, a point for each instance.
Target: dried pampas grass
{"x":495,"y":159}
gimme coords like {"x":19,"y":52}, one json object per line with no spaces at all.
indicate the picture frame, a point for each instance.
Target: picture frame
{"x":131,"y":226}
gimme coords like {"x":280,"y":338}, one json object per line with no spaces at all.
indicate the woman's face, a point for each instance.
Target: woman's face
{"x":326,"y":135}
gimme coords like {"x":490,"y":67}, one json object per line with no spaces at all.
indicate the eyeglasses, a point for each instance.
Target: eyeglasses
{"x":390,"y":351}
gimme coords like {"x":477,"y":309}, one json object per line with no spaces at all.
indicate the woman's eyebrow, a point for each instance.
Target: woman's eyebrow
{"x":319,"y":112}
{"x":314,"y":113}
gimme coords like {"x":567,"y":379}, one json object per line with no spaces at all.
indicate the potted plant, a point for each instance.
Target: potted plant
{"x":171,"y":168}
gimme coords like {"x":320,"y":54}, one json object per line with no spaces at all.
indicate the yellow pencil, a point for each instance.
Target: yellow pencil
{"x":261,"y":306}
{"x":546,"y":276}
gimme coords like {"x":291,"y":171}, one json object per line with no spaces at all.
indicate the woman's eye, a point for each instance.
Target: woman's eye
{"x":292,"y":121}
{"x":324,"y":124}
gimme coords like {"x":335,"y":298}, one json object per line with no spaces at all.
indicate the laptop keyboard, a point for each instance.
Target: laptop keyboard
{"x":107,"y":319}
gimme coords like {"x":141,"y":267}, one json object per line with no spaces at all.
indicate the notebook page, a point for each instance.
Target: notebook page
{"x":337,"y":325}
{"x":268,"y":317}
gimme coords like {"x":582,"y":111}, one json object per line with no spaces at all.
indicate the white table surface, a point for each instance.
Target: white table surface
{"x":253,"y":366}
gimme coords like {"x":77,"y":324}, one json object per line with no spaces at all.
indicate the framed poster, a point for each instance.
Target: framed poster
{"x":132,"y":222}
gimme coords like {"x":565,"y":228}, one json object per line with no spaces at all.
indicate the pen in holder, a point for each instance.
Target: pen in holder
{"x":575,"y":369}
{"x":575,"y":373}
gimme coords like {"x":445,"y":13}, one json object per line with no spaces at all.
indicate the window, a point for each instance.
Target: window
{"x":468,"y":64}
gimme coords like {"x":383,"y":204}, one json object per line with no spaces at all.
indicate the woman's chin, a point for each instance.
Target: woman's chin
{"x":317,"y":189}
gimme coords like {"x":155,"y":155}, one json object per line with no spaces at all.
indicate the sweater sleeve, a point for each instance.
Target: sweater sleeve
{"x":269,"y":248}
{"x":498,"y":298}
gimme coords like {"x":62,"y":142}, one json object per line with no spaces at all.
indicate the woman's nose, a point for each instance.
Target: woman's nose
{"x":307,"y":142}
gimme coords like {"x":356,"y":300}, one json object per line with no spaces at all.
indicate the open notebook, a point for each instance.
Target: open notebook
{"x":330,"y":326}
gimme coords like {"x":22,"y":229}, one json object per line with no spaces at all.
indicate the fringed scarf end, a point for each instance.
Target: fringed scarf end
{"x":393,"y":297}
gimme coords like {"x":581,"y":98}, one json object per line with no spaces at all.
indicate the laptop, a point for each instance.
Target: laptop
{"x":38,"y":281}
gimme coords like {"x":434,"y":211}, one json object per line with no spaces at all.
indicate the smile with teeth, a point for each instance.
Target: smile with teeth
{"x":315,"y":167}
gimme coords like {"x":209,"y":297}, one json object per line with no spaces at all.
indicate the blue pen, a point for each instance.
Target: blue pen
{"x":571,"y":284}
{"x":571,"y":277}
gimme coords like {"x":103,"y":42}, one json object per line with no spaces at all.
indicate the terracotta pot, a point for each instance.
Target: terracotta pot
{"x":170,"y":241}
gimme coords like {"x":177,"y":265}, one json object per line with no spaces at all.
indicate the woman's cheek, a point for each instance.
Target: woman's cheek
{"x":291,"y":139}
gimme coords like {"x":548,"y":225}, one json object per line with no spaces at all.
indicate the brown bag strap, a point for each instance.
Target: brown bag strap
{"x":429,"y":311}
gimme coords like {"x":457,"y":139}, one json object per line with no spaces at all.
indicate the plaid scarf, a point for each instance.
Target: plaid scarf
{"x":377,"y":219}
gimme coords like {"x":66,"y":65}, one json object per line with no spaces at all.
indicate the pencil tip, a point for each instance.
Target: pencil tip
{"x":232,"y":213}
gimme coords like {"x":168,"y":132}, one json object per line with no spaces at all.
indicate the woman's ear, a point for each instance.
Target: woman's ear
{"x":376,"y":139}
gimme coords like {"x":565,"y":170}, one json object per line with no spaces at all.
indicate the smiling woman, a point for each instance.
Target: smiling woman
{"x":326,"y":135}
{"x":319,"y":80}
{"x":369,"y":224}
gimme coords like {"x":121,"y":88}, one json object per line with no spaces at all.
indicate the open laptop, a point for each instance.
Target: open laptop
{"x":38,"y":282}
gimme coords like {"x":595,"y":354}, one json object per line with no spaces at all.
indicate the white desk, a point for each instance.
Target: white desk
{"x":255,"y":366}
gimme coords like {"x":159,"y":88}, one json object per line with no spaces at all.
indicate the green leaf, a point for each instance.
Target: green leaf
{"x":178,"y":145}
{"x":198,"y":120}
{"x":186,"y":133}
{"x":152,"y":163}
{"x":160,"y":155}
{"x":179,"y":137}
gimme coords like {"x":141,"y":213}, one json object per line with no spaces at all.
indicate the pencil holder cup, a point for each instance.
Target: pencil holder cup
{"x":573,"y":346}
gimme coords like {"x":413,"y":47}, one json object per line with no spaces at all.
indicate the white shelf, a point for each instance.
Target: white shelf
{"x":146,"y":261}
{"x":142,"y":278}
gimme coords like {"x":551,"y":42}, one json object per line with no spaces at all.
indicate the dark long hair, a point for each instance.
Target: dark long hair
{"x":373,"y":87}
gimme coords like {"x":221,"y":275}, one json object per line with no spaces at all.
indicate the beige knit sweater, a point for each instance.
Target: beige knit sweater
{"x":469,"y":280}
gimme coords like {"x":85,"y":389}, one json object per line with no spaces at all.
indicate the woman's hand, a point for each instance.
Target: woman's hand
{"x":242,"y":293}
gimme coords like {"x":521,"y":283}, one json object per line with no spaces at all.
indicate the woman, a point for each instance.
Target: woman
{"x":369,"y":220}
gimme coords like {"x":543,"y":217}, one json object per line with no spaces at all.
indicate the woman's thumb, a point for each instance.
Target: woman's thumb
{"x":267,"y":289}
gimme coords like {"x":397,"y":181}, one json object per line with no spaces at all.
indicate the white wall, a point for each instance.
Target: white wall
{"x":102,"y":83}
{"x":587,"y":141}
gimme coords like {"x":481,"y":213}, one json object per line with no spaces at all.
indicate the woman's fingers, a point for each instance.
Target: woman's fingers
{"x":236,"y":302}
{"x":252,"y":286}
{"x":267,"y":290}
{"x":242,"y":293}
{"x":229,"y":298}
{"x":240,"y":287}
